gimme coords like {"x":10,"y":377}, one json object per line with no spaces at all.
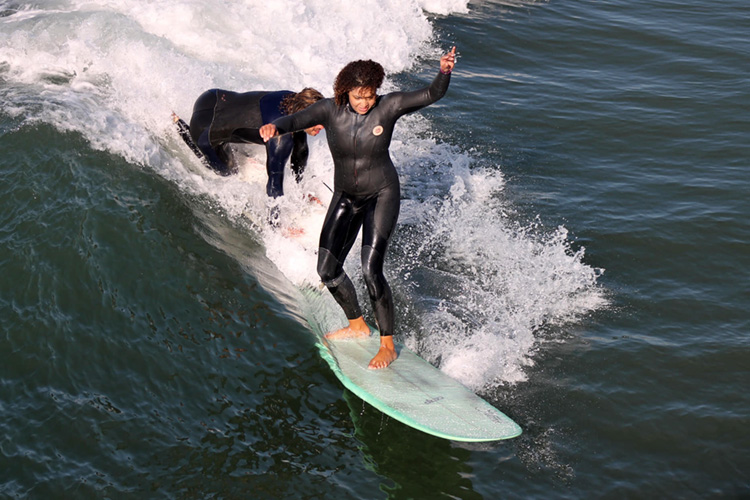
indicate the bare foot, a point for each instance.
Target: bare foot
{"x":357,"y":329}
{"x":386,"y":354}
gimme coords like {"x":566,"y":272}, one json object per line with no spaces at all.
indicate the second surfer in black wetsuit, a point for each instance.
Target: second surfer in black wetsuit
{"x":221,"y":117}
{"x":359,"y":126}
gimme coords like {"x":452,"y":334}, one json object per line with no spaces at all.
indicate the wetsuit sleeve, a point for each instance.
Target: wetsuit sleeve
{"x":407,"y":102}
{"x":184,"y":130}
{"x":315,"y":114}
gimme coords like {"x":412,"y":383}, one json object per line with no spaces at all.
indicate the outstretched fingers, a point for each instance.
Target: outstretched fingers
{"x":268,"y":131}
{"x":448,"y":61}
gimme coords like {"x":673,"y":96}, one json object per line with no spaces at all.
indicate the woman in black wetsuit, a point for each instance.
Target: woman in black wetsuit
{"x":221,"y":117}
{"x":359,"y":126}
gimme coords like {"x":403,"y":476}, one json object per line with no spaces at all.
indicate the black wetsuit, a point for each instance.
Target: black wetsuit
{"x":366,"y":191}
{"x":221,"y":117}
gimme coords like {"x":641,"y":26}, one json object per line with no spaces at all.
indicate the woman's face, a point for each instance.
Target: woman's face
{"x":362,"y":99}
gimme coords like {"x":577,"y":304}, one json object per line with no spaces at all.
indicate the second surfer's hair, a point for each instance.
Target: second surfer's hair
{"x":299,"y":101}
{"x":367,"y":74}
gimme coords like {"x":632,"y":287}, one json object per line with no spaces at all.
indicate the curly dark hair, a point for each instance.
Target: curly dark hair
{"x":367,"y":74}
{"x":299,"y":101}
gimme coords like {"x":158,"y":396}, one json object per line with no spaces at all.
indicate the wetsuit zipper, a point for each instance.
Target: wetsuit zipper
{"x":357,"y":126}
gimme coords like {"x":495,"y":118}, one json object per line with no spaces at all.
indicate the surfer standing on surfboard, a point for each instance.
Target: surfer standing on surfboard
{"x":359,"y":126}
{"x":221,"y":117}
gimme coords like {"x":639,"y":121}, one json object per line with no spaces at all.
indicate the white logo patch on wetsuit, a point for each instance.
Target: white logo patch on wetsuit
{"x":377,"y":130}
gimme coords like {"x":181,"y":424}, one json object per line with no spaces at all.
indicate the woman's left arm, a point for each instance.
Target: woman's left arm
{"x":412,"y":101}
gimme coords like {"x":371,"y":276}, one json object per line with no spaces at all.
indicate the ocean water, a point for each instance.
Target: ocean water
{"x":573,"y":246}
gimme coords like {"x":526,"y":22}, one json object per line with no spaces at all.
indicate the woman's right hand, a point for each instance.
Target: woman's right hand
{"x":268,"y":131}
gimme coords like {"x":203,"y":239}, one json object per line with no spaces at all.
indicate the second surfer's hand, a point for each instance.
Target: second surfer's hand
{"x":268,"y":131}
{"x":448,"y":61}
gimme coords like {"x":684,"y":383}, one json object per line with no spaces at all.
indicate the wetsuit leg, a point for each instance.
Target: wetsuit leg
{"x":339,"y":232}
{"x":278,"y":150}
{"x":300,"y":153}
{"x":200,"y":126}
{"x":379,"y":223}
{"x":215,"y":158}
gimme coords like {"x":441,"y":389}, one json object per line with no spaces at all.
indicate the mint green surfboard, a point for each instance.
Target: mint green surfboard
{"x":416,"y":393}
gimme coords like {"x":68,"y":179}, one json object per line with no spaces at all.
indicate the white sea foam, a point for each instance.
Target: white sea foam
{"x":473,"y":286}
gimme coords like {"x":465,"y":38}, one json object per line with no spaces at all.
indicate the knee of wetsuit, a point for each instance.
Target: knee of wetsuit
{"x":225,"y":154}
{"x":330,"y":270}
{"x":372,"y":272}
{"x":224,"y":173}
{"x":213,"y":158}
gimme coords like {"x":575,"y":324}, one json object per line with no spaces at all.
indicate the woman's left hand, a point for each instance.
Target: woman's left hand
{"x":448,"y":61}
{"x":268,"y":131}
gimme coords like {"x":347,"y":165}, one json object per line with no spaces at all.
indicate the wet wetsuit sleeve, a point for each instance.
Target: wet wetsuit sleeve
{"x":418,"y":99}
{"x":184,"y":130}
{"x":315,"y":114}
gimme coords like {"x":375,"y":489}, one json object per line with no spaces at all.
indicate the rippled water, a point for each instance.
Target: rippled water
{"x":573,"y":245}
